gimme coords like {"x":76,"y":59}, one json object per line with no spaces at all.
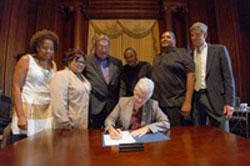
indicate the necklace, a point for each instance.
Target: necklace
{"x":46,"y":74}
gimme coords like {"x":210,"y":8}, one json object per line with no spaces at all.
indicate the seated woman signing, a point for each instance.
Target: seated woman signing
{"x":138,"y":113}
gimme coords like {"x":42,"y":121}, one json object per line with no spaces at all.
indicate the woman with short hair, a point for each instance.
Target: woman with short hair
{"x":138,"y":113}
{"x":70,"y":93}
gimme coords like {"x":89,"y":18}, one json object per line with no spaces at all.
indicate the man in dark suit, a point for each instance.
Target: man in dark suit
{"x":103,"y":72}
{"x":214,"y":96}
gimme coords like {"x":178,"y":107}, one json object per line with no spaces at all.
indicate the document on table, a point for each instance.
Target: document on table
{"x":125,"y":139}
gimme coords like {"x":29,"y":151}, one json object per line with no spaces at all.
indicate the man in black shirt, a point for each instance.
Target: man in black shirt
{"x":173,"y":75}
{"x":132,"y":72}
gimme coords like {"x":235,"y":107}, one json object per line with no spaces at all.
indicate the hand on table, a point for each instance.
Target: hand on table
{"x":140,"y":132}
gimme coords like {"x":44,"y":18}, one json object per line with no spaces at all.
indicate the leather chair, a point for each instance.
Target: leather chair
{"x":5,"y":118}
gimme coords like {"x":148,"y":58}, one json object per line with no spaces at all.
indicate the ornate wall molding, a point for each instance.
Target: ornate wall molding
{"x":66,"y":10}
{"x":146,"y":9}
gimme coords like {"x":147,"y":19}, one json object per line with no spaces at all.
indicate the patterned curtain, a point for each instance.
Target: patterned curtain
{"x":143,"y":35}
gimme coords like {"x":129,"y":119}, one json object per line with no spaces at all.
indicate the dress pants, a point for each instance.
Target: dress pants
{"x":175,"y":117}
{"x":97,"y":121}
{"x":203,"y":111}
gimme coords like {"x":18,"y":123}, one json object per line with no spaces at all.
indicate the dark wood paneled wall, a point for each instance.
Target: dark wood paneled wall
{"x":228,"y":22}
{"x":13,"y":36}
{"x":123,"y":9}
{"x":2,"y":63}
{"x":243,"y":34}
{"x":204,"y":11}
{"x":228,"y":28}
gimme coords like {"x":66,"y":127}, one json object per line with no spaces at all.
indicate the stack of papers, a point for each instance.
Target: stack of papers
{"x":125,"y":139}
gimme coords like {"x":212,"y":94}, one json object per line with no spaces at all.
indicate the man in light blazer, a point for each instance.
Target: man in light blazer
{"x":138,"y":113}
{"x":214,"y":96}
{"x":103,"y":72}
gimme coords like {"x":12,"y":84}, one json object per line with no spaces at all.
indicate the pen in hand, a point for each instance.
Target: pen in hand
{"x":115,"y":133}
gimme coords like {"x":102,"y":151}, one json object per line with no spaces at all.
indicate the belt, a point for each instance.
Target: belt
{"x":201,"y":91}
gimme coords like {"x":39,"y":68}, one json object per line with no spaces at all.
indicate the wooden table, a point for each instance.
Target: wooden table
{"x":188,"y":146}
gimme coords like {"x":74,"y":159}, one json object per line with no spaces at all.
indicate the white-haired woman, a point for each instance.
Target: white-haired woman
{"x":138,"y":113}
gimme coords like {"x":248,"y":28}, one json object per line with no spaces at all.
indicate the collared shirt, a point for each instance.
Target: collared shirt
{"x":135,"y":122}
{"x":169,"y":74}
{"x":104,"y":65}
{"x":203,"y":50}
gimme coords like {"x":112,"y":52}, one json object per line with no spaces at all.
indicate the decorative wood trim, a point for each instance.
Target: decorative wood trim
{"x":66,"y":10}
{"x":146,"y":9}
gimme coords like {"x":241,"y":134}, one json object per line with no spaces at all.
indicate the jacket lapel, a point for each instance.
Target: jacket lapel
{"x":145,"y":112}
{"x":98,"y":68}
{"x":210,"y":54}
{"x":111,"y":69}
{"x":128,"y":113}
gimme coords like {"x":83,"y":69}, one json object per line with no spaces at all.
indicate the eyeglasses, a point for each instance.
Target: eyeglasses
{"x":80,"y":62}
{"x":141,"y":96}
{"x":100,"y":47}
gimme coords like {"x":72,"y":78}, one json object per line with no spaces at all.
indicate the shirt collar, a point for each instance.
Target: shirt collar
{"x":168,"y":49}
{"x":102,"y":60}
{"x":201,"y":48}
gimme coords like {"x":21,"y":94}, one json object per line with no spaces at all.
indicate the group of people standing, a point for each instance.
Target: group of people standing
{"x":98,"y":91}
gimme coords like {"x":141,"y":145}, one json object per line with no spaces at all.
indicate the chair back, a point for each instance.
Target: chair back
{"x":5,"y":111}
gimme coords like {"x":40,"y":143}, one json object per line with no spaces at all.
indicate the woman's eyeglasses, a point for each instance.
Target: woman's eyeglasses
{"x":80,"y":62}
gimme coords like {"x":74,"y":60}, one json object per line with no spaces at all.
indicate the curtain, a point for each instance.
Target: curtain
{"x":142,"y":35}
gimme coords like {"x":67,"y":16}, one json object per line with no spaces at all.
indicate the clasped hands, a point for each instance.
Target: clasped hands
{"x":117,"y":133}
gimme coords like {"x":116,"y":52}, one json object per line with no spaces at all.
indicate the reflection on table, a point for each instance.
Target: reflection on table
{"x":188,"y":146}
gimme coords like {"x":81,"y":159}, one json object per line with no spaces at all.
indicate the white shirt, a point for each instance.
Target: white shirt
{"x":36,"y":88}
{"x":203,"y":53}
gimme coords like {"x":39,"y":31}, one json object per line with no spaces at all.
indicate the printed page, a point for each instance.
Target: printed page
{"x":125,"y":139}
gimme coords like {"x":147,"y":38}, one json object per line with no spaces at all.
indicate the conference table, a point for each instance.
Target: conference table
{"x":202,"y":146}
